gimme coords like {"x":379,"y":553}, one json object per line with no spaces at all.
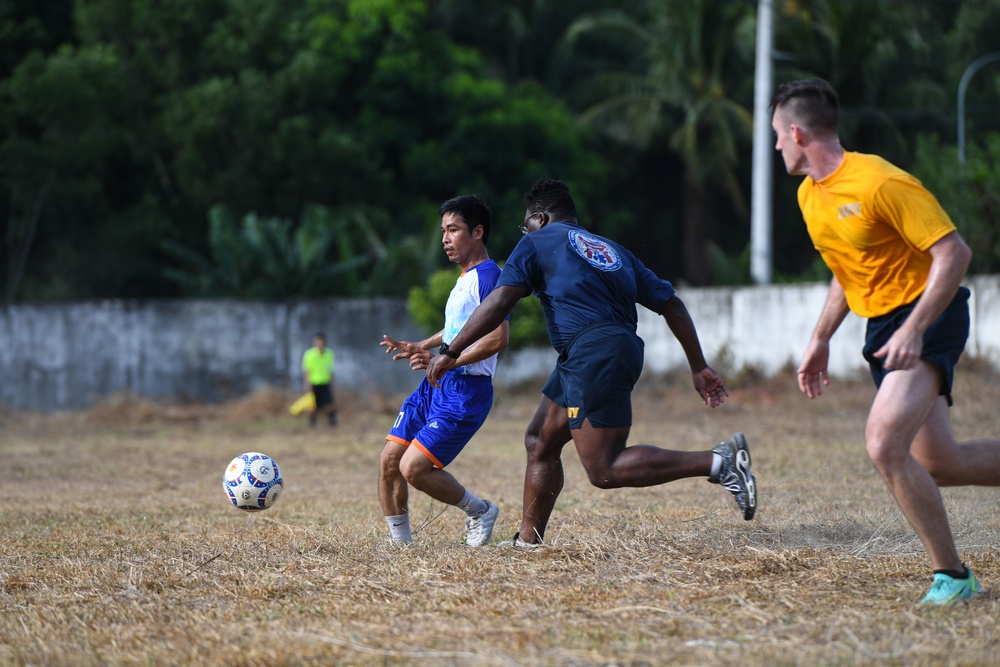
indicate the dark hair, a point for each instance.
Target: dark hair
{"x":472,"y":210}
{"x":811,"y":103}
{"x":320,"y":336}
{"x":552,"y":197}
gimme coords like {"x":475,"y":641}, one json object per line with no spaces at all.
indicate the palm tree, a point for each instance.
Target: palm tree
{"x":517,"y":37}
{"x":682,"y":68}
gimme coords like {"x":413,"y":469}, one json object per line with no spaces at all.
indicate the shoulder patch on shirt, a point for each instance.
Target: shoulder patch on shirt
{"x":599,"y":253}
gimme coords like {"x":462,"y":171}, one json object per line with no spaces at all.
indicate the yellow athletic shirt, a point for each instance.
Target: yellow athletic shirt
{"x":317,"y":365}
{"x":872,"y":223}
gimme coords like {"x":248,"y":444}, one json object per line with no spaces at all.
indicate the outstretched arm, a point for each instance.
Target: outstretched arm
{"x":487,"y":317}
{"x":418,"y":353}
{"x":707,"y":382}
{"x":812,"y":371}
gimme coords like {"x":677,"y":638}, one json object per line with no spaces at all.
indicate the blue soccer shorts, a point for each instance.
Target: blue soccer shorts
{"x":441,"y":422}
{"x":595,"y":375}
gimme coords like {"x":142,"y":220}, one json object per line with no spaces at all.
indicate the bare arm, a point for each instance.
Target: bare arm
{"x":707,"y":382}
{"x":950,"y":258}
{"x":812,"y":371}
{"x":487,"y":346}
{"x":418,"y":353}
{"x":486,"y":318}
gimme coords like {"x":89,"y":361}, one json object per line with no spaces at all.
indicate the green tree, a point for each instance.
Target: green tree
{"x":166,"y":110}
{"x":678,"y":82}
{"x":970,"y":195}
{"x":62,"y":127}
{"x":328,"y":253}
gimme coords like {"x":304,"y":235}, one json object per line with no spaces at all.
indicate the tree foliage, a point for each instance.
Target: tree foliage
{"x":129,"y":130}
{"x":164,"y":111}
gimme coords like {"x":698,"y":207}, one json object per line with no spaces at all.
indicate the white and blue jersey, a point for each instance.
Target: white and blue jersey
{"x":441,"y":421}
{"x":470,"y":289}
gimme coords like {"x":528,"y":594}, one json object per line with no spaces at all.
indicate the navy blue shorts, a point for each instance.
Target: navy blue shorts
{"x":595,"y":374}
{"x":944,"y":340}
{"x":441,"y":422}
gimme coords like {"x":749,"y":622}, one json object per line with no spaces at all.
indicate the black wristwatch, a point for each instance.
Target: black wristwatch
{"x":449,"y":353}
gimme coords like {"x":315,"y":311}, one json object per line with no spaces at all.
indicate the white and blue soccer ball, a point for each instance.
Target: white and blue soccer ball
{"x":252,"y":481}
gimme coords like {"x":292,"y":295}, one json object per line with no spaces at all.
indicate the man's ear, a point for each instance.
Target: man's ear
{"x":477,"y":233}
{"x":543,"y":219}
{"x":797,"y":134}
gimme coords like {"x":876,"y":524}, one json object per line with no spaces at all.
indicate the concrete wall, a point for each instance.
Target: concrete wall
{"x":65,"y":356}
{"x":768,"y":327}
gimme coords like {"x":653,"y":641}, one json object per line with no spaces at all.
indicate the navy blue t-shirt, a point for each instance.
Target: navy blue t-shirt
{"x":582,"y":279}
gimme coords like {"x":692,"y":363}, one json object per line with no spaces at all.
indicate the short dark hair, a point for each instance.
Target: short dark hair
{"x":813,"y":103}
{"x":550,"y":196}
{"x":472,"y":210}
{"x":320,"y":336}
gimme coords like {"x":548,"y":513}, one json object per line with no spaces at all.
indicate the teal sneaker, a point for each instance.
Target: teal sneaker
{"x":948,"y":590}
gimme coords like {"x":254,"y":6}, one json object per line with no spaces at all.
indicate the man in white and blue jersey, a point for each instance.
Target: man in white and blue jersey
{"x":589,"y":286}
{"x":435,"y":423}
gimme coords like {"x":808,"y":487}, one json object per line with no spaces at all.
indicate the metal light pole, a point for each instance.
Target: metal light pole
{"x":760,"y":196}
{"x":973,"y":67}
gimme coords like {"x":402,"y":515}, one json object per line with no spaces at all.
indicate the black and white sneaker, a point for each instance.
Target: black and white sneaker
{"x":517,"y":543}
{"x":734,"y":474}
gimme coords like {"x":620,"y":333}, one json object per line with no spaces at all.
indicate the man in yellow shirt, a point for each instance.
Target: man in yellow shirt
{"x":317,"y":376}
{"x":897,"y":260}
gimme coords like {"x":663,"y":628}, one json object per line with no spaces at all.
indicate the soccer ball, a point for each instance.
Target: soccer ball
{"x":252,"y":481}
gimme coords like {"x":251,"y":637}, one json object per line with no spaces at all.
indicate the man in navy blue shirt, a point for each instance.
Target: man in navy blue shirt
{"x":589,"y":286}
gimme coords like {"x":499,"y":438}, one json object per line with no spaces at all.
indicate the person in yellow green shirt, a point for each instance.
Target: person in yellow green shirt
{"x":897,"y":260}
{"x":317,"y":376}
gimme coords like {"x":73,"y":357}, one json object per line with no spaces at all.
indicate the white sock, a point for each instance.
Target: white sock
{"x":399,"y":528}
{"x":716,"y":466}
{"x":471,"y":505}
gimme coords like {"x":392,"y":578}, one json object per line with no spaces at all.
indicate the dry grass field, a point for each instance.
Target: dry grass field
{"x":118,"y":547}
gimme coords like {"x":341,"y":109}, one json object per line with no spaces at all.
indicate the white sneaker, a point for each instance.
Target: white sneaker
{"x":479,"y":530}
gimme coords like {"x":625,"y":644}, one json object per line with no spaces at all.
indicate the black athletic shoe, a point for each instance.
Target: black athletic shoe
{"x":734,"y":474}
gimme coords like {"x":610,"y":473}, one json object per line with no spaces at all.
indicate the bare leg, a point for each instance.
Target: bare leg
{"x":902,"y":407}
{"x":392,"y":491}
{"x":418,"y":470}
{"x":544,"y":439}
{"x":955,"y":464}
{"x":610,"y":464}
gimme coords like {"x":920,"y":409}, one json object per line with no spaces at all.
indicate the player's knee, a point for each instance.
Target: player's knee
{"x":413,"y":469}
{"x":884,"y":453}
{"x":389,"y":461}
{"x":533,"y":444}
{"x":602,"y":477}
{"x":539,"y":449}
